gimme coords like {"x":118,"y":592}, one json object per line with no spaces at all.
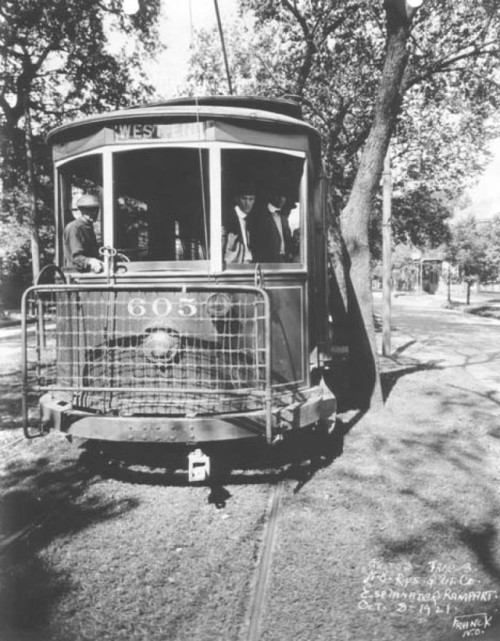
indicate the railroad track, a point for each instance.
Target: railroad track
{"x":263,"y":570}
{"x":255,"y":596}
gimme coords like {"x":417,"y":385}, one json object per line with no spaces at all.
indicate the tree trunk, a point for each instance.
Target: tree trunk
{"x":365,"y":381}
{"x":337,"y":283}
{"x":30,"y":175}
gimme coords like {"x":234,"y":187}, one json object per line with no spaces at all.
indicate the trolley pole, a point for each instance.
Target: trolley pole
{"x":221,"y":34}
{"x":386,"y":255}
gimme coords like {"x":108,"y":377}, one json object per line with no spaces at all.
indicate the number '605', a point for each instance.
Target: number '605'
{"x":161,"y":306}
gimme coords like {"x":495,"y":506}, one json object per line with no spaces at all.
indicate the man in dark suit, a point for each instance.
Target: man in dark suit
{"x":238,"y":226}
{"x":274,"y":235}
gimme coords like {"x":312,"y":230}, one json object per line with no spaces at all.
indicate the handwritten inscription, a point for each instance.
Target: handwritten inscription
{"x":436,"y":589}
{"x":472,"y":625}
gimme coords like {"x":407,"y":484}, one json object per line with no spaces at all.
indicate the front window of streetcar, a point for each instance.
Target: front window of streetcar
{"x":157,"y":207}
{"x":162,"y":204}
{"x":275,"y":221}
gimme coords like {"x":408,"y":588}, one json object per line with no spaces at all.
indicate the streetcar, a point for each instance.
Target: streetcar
{"x":171,"y":344}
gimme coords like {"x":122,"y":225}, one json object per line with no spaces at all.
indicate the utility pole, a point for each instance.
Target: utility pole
{"x":386,"y":255}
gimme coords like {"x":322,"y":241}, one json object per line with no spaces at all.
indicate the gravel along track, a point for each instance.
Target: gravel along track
{"x":125,"y":561}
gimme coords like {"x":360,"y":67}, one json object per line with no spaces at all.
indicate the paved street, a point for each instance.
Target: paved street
{"x":451,"y":339}
{"x":10,"y":352}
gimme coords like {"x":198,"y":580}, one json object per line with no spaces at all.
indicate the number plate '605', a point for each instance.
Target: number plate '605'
{"x":162,"y":307}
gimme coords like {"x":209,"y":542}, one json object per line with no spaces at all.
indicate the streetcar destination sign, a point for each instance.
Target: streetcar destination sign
{"x":151,"y":131}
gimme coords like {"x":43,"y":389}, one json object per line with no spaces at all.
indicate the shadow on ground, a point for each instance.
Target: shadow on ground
{"x":390,"y":377}
{"x":298,"y":456}
{"x":56,"y":500}
{"x":430,"y":471}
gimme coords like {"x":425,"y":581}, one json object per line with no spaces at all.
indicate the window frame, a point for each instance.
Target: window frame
{"x":299,"y":266}
{"x":214,"y":265}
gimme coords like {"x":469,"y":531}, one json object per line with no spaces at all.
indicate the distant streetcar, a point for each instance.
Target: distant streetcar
{"x":173,"y":342}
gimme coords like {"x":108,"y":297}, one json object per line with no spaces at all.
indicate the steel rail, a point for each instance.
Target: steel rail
{"x":263,"y":572}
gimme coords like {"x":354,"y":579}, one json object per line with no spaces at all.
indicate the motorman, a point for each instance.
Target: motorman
{"x":80,"y":243}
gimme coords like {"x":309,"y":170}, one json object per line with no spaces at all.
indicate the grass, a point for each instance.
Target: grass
{"x":415,"y":484}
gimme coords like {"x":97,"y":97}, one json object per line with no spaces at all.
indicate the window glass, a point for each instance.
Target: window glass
{"x":161,"y":204}
{"x":261,"y":217}
{"x":79,"y":177}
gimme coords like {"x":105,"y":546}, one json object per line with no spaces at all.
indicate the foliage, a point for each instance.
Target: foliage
{"x":329,"y":55}
{"x":475,"y":249}
{"x":420,"y":218}
{"x":355,"y":66}
{"x":58,"y":55}
{"x":58,"y":61}
{"x":271,"y":53}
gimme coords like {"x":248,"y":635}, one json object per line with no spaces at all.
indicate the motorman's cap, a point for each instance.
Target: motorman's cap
{"x":87,"y":201}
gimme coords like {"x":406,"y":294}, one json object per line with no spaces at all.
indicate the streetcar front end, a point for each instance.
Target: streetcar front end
{"x":174,"y":339}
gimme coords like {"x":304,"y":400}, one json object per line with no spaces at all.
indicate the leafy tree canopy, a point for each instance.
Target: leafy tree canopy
{"x":367,"y":72}
{"x":59,"y":59}
{"x":329,"y":55}
{"x":57,"y":55}
{"x":475,"y":248}
{"x":420,"y":218}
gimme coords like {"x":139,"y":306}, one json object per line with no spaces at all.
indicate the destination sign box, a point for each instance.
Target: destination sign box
{"x":136,"y":131}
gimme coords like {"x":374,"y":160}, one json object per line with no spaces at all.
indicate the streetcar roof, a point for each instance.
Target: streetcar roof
{"x":284,"y":116}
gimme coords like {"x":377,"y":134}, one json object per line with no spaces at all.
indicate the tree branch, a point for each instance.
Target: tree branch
{"x":5,"y":51}
{"x":475,"y":53}
{"x":306,"y":66}
{"x":445,"y":66}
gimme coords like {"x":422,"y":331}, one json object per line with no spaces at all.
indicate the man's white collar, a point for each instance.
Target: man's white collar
{"x":241,"y":214}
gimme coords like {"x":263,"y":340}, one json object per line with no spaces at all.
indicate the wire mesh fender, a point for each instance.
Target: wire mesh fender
{"x":149,"y":349}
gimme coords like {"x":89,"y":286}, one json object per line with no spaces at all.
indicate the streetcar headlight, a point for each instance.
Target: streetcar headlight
{"x":161,"y":344}
{"x":219,"y":305}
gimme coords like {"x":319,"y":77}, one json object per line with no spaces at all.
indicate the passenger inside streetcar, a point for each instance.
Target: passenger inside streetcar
{"x":239,"y":233}
{"x":269,"y":231}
